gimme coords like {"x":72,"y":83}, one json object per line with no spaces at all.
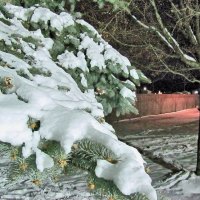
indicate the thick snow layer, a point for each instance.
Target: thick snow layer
{"x":134,"y":74}
{"x":93,"y":51}
{"x":127,"y":93}
{"x":69,"y":60}
{"x":83,"y":80}
{"x":13,"y":113}
{"x":113,"y":55}
{"x":91,"y":28}
{"x":53,"y":118}
{"x":19,"y":11}
{"x":43,"y":160}
{"x":54,"y":19}
{"x":16,"y":63}
{"x":65,"y":113}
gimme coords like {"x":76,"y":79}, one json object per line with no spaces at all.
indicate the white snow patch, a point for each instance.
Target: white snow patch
{"x":56,"y":21}
{"x":127,"y":93}
{"x":134,"y":74}
{"x":191,"y":185}
{"x":189,"y":58}
{"x":1,"y":15}
{"x":69,"y":60}
{"x":91,"y":28}
{"x":43,"y":160}
{"x":130,"y":83}
{"x":83,"y":80}
{"x":93,"y":51}
{"x":18,"y":11}
{"x":117,"y":58}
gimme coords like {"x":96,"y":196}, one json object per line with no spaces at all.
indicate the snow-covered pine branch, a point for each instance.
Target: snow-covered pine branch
{"x":79,"y":49}
{"x":40,"y":100}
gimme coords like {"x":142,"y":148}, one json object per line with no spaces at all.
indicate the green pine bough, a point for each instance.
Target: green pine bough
{"x":57,"y":5}
{"x":83,"y":156}
{"x":107,"y":82}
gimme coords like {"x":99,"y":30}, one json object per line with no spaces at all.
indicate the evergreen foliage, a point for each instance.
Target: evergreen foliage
{"x":107,"y":82}
{"x":83,"y":156}
{"x":54,"y":5}
{"x":106,"y":188}
{"x":58,"y":5}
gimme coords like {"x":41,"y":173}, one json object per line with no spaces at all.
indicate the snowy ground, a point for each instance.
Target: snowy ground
{"x":166,"y":136}
{"x":175,"y":143}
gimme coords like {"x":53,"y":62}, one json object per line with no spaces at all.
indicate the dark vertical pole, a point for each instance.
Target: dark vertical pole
{"x":198,"y":144}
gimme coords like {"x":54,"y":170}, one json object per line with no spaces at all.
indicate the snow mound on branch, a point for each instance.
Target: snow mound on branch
{"x":69,"y":60}
{"x":35,"y":87}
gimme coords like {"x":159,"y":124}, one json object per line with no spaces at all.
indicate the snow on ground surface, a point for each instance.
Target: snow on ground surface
{"x":174,"y":137}
{"x":27,"y":95}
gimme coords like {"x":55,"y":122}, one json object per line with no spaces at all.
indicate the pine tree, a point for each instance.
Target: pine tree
{"x":112,"y":78}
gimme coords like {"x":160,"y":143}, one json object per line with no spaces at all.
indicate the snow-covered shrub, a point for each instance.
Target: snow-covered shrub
{"x":43,"y":112}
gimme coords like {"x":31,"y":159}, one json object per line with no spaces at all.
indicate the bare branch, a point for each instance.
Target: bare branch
{"x":153,"y":29}
{"x":124,"y":44}
{"x":169,"y":69}
{"x":170,"y":39}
